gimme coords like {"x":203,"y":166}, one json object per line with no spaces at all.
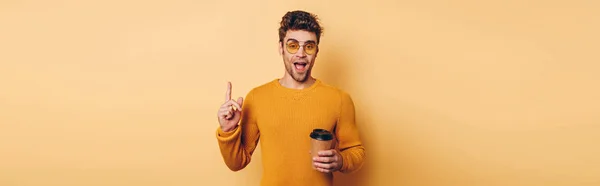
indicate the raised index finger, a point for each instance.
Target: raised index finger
{"x":228,"y":92}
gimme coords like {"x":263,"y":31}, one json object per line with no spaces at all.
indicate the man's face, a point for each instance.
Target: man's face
{"x":299,"y":50}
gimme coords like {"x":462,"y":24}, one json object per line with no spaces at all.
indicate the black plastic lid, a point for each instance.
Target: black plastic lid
{"x":319,"y":130}
{"x":321,"y":134}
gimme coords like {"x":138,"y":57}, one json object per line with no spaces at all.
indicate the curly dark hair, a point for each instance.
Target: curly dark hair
{"x":300,"y":20}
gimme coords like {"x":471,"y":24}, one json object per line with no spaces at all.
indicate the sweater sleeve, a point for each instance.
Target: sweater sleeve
{"x":347,"y":134}
{"x":238,"y":145}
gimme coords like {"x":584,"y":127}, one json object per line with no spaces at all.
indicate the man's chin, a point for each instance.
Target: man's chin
{"x":300,"y":77}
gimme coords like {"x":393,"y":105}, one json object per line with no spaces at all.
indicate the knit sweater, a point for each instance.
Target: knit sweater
{"x":282,"y":118}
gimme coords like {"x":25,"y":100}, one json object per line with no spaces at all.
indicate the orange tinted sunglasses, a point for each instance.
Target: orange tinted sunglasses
{"x":292,"y":46}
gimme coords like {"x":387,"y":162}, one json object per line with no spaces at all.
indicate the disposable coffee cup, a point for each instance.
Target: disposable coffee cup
{"x":321,"y":139}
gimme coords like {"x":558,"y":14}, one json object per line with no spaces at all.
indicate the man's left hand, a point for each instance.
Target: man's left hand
{"x":328,"y":161}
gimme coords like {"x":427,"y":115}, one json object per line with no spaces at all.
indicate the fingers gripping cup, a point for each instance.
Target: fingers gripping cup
{"x":321,"y":140}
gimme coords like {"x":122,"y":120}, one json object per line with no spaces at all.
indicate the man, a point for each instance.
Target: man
{"x":283,"y":112}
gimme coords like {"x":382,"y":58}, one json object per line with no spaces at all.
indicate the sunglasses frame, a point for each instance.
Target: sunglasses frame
{"x":301,"y":46}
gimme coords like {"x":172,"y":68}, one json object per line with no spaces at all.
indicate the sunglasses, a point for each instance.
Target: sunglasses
{"x":292,"y":46}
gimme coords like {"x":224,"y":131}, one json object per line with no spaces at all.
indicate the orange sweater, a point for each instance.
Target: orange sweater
{"x":283,"y":118}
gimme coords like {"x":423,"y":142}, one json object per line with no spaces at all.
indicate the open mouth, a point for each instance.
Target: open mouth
{"x":300,"y":66}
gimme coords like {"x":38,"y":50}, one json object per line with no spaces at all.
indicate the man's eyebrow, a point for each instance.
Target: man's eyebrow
{"x":307,"y":41}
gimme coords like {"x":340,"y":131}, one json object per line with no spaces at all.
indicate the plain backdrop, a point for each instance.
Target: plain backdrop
{"x":447,"y":93}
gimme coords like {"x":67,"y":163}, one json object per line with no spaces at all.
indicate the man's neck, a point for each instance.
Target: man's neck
{"x":290,"y":82}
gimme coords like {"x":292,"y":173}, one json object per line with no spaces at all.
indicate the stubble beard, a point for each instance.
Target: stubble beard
{"x":299,"y":77}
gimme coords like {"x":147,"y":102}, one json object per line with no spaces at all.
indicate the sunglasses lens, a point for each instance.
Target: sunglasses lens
{"x":310,"y":48}
{"x":292,"y":47}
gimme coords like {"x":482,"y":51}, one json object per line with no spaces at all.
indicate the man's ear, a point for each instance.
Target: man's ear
{"x":280,"y":48}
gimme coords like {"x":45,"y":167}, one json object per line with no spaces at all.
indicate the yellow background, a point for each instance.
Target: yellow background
{"x":448,"y":93}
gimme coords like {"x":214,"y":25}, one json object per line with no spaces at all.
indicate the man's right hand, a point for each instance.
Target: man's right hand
{"x":230,"y":112}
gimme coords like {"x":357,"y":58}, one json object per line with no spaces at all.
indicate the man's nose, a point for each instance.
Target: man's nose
{"x":301,"y":52}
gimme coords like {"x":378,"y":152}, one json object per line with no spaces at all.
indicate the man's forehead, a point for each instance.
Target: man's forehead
{"x":301,"y":35}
